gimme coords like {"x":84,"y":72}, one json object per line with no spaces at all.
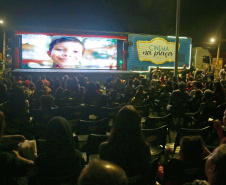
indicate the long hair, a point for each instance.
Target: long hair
{"x":126,"y":128}
{"x":192,"y":148}
{"x":59,"y":137}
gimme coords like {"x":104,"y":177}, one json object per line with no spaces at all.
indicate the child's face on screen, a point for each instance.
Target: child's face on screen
{"x":66,"y":54}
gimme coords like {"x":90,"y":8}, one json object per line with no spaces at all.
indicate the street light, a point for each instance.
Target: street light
{"x":3,"y":52}
{"x":212,"y":40}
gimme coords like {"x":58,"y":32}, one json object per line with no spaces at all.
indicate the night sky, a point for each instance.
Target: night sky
{"x":200,"y":19}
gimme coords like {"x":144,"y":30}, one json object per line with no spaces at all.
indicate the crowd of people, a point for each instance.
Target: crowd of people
{"x":125,"y":157}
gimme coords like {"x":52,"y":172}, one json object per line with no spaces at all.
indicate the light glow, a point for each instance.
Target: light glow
{"x":212,"y":40}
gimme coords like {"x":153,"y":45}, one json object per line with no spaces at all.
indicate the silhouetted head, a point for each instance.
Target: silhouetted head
{"x":99,"y":172}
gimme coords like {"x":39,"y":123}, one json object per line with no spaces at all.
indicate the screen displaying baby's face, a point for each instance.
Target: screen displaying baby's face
{"x":66,"y":54}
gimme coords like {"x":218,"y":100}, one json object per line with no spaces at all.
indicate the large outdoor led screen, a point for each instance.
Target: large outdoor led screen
{"x":42,"y":51}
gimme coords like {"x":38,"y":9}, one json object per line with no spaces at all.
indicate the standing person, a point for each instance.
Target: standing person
{"x":126,"y":146}
{"x":157,"y":72}
{"x":184,"y":72}
{"x":222,"y":73}
{"x":208,"y":73}
{"x":66,"y":52}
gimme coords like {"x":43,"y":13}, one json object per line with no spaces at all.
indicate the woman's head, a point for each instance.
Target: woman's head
{"x":126,"y":126}
{"x":192,"y":148}
{"x":59,"y":133}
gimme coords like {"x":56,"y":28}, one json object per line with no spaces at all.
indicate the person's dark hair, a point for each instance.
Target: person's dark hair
{"x":65,"y":39}
{"x":59,"y":137}
{"x":59,"y":91}
{"x":66,"y":93}
{"x":167,"y":88}
{"x":198,"y":84}
{"x":208,"y":94}
{"x":190,"y":78}
{"x":192,"y":148}
{"x":174,"y":79}
{"x":91,"y":87}
{"x":130,"y":82}
{"x":217,"y":87}
{"x":126,"y":128}
{"x":198,"y":93}
{"x":47,"y":101}
{"x":17,"y":100}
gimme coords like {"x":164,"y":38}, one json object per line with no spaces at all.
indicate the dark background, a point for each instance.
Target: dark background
{"x":200,"y":19}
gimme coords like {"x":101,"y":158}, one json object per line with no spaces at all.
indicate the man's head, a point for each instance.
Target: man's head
{"x":184,"y":66}
{"x":182,"y":86}
{"x":99,"y":172}
{"x":66,"y":51}
{"x":215,"y":167}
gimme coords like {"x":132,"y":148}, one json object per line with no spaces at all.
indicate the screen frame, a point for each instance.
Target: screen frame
{"x":121,"y":39}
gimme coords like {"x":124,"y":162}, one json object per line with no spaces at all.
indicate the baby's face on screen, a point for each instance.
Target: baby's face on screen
{"x":66,"y":54}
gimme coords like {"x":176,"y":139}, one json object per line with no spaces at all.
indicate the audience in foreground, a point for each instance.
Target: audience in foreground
{"x":102,"y":172}
{"x":126,"y":146}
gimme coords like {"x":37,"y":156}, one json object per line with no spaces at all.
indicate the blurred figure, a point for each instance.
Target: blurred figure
{"x":215,"y":167}
{"x":59,"y":158}
{"x":126,"y":146}
{"x":222,"y":73}
{"x":157,"y":72}
{"x":101,"y":172}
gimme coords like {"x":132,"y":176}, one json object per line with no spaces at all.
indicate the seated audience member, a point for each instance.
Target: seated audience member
{"x":102,"y":172}
{"x":129,"y":90}
{"x":15,"y":111}
{"x":164,"y":96}
{"x":118,"y":86}
{"x":73,"y":84}
{"x":47,"y":102}
{"x":195,"y":101}
{"x":12,"y":165}
{"x":108,"y":82}
{"x":219,"y":128}
{"x":218,"y":93}
{"x":140,"y":95}
{"x":179,"y":99}
{"x":4,"y":96}
{"x":45,"y":81}
{"x":188,"y":166}
{"x":197,"y":85}
{"x":215,"y":167}
{"x":126,"y":146}
{"x":58,"y":96}
{"x":208,"y":107}
{"x":91,"y":95}
{"x":59,"y":158}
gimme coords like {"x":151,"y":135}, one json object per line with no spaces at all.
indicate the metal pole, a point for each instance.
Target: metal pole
{"x":3,"y":53}
{"x":218,"y":48}
{"x":177,"y":38}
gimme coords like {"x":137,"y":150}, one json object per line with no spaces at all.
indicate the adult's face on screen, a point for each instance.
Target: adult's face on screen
{"x":66,"y":54}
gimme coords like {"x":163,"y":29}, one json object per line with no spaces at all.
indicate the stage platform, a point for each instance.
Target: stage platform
{"x":93,"y":75}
